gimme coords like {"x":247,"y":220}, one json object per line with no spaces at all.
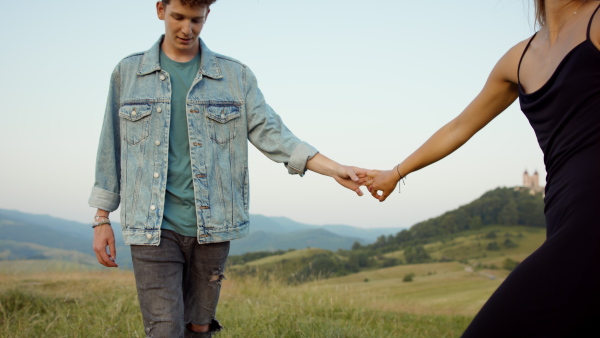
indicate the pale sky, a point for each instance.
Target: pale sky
{"x":365,"y":82}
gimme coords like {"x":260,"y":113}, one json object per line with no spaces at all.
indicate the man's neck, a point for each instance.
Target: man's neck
{"x":179,"y":55}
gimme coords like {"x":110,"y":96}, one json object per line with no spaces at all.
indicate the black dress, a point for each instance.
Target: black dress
{"x":555,"y":292}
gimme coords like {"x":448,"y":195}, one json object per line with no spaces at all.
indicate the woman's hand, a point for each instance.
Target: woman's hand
{"x":384,"y":181}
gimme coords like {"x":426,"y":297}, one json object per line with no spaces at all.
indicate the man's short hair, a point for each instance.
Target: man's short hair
{"x":193,"y":3}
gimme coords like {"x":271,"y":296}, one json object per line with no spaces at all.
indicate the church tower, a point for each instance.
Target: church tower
{"x":535,"y":180}
{"x":526,"y":179}
{"x":532,"y":182}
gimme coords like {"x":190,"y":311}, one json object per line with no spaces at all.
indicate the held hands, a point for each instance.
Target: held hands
{"x":348,"y":177}
{"x":384,"y":181}
{"x":351,"y":177}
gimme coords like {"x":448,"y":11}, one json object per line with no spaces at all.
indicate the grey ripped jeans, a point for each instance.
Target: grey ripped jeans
{"x":179,"y":282}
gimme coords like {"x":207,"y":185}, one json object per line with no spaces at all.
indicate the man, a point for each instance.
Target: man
{"x":173,"y":154}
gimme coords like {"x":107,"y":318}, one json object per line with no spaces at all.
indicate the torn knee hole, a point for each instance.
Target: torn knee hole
{"x":217,"y":277}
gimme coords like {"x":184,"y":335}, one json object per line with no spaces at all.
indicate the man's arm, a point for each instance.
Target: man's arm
{"x":271,"y":136}
{"x":349,"y":177}
{"x":105,"y":194}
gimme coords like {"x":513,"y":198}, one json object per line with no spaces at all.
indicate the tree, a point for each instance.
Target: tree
{"x":417,"y":254}
{"x":509,"y":214}
{"x":390,"y":261}
{"x":475,"y":222}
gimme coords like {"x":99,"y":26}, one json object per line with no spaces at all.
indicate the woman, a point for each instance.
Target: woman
{"x":556,"y":75}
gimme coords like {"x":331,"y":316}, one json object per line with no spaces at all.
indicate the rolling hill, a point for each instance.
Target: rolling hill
{"x":30,"y":236}
{"x":496,"y":231}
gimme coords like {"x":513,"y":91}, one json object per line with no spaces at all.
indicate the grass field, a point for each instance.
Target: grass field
{"x":103,"y":304}
{"x":58,"y":299}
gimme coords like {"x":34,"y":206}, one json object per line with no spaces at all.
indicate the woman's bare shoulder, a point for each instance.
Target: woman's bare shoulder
{"x":595,"y":29}
{"x":508,"y":65}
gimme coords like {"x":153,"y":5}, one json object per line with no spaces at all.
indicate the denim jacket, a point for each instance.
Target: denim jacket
{"x":224,"y":109}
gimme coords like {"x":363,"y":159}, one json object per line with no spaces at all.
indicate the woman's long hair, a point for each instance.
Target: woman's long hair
{"x":540,"y":12}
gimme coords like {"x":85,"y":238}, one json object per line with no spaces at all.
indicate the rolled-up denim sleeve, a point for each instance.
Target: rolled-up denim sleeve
{"x":268,"y":133}
{"x":105,"y":193}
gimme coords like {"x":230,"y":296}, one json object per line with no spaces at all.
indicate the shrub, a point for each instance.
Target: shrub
{"x":510,"y":264}
{"x":493,"y":246}
{"x":491,"y":235}
{"x":510,"y":244}
{"x":408,"y":277}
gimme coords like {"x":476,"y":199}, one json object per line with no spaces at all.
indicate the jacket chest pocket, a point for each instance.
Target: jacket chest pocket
{"x":136,"y":122}
{"x":223,"y":122}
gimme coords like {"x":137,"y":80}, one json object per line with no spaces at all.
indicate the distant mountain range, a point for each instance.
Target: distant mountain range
{"x":463,"y":233}
{"x":31,"y":236}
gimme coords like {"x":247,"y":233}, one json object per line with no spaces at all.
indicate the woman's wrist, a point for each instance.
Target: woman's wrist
{"x":399,"y":175}
{"x":397,"y":171}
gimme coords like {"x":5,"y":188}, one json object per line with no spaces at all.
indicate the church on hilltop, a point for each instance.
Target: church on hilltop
{"x":532,"y":182}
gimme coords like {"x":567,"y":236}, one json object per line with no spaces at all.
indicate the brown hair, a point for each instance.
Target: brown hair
{"x":193,"y":3}
{"x":540,"y":12}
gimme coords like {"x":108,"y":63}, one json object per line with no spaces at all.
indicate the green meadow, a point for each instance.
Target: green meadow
{"x":437,"y":299}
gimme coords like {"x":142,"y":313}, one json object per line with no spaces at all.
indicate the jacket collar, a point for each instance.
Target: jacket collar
{"x":208,"y":61}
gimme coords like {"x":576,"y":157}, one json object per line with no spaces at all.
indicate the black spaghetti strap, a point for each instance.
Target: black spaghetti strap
{"x":590,"y":23}
{"x":522,"y":55}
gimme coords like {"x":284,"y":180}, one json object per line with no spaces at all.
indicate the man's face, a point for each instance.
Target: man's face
{"x":183,"y":25}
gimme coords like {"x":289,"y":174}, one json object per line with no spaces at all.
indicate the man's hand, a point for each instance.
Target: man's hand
{"x":384,"y":181}
{"x":104,"y":237}
{"x":351,"y":177}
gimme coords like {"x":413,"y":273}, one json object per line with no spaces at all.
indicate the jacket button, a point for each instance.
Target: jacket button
{"x":155,"y":175}
{"x":148,"y":236}
{"x":157,"y":143}
{"x":153,"y":207}
{"x":133,"y":113}
{"x":159,"y":110}
{"x":222,"y":116}
{"x":162,"y":77}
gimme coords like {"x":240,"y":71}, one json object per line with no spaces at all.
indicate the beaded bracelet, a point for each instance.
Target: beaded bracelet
{"x":96,"y":224}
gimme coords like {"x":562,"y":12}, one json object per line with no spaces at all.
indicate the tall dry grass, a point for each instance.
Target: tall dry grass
{"x":104,"y":304}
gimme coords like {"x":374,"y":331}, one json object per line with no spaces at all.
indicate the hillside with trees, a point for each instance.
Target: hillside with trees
{"x":501,"y":206}
{"x":501,"y":227}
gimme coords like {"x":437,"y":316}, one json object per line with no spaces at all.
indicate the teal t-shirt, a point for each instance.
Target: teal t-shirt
{"x":180,"y":208}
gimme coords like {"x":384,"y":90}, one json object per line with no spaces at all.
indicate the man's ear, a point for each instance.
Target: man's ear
{"x":160,"y":10}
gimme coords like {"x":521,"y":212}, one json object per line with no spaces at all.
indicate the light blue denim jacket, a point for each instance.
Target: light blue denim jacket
{"x":224,"y":108}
